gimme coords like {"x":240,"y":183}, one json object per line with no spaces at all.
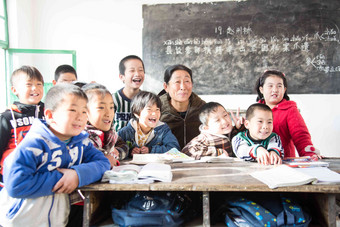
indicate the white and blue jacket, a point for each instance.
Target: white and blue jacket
{"x":160,"y":139}
{"x":246,"y":148}
{"x":30,"y":173}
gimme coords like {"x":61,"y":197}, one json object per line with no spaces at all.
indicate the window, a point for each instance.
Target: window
{"x":3,"y":25}
{"x":46,"y":61}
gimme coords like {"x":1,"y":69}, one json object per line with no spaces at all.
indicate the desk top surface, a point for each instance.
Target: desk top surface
{"x":217,"y":177}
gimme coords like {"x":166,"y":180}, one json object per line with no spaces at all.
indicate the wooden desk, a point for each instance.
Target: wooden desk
{"x":224,"y":177}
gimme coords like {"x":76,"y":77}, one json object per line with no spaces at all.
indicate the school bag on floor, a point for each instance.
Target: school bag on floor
{"x":153,"y":209}
{"x":279,"y":211}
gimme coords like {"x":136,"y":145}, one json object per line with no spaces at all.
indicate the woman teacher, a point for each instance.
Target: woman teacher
{"x":181,"y":106}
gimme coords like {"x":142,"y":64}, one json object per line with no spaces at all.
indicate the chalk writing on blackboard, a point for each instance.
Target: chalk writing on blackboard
{"x":242,"y":39}
{"x":229,"y":44}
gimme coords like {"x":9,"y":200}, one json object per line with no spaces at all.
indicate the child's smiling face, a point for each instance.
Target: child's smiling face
{"x":273,"y":90}
{"x":69,"y":118}
{"x":101,"y":111}
{"x":149,"y":117}
{"x":260,"y":126}
{"x":219,"y":122}
{"x":134,"y":74}
{"x":29,"y":91}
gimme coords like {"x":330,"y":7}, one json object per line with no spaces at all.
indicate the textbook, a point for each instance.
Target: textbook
{"x":282,"y":176}
{"x":221,"y":158}
{"x":170,"y":156}
{"x":303,"y":162}
{"x":131,"y":174}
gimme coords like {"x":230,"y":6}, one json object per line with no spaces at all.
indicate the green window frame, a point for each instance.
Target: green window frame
{"x":10,"y":55}
{"x":4,"y":25}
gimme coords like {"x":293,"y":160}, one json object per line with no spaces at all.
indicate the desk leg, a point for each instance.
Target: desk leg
{"x":206,"y":209}
{"x":87,"y":209}
{"x":327,"y":208}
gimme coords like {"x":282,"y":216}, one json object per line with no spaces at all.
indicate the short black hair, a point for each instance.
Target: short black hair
{"x":122,"y":67}
{"x":94,"y":88}
{"x":171,"y":69}
{"x":256,"y":106}
{"x":142,"y":100}
{"x":207,"y":109}
{"x":64,"y":69}
{"x":57,"y":94}
{"x":30,"y":71}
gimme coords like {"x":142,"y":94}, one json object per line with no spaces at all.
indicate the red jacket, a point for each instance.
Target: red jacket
{"x":292,"y":129}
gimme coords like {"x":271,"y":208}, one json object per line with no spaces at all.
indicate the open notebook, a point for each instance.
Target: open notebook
{"x":282,"y":176}
{"x":130,"y":174}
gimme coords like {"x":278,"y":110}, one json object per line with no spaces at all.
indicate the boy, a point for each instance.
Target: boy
{"x":131,"y":72}
{"x":27,"y":84}
{"x":53,"y":160}
{"x":64,"y":74}
{"x":258,"y":142}
{"x":216,"y":131}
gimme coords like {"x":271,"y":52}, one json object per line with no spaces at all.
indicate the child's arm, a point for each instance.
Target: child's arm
{"x":244,"y":148}
{"x":275,"y":145}
{"x":22,"y":176}
{"x":299,"y":132}
{"x":5,"y":134}
{"x":197,"y":147}
{"x":68,"y":183}
{"x":127,"y":134}
{"x":93,"y":166}
{"x":122,"y":148}
{"x":169,"y":141}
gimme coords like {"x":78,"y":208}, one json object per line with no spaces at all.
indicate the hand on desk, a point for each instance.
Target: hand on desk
{"x":267,"y":158}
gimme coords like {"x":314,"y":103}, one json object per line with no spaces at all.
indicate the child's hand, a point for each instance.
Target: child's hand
{"x":225,"y":153}
{"x":238,"y":120}
{"x":262,"y":156}
{"x":317,"y":155}
{"x":116,"y":153}
{"x":144,"y":150}
{"x":113,"y":161}
{"x":135,"y":150}
{"x":274,"y":158}
{"x":68,"y":183}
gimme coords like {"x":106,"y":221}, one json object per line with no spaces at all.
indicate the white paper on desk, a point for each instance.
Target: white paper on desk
{"x":156,"y":171}
{"x":282,"y":176}
{"x":122,"y":174}
{"x":133,"y":174}
{"x":323,"y":174}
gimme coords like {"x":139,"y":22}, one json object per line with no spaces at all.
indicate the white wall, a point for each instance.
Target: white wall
{"x":104,"y":31}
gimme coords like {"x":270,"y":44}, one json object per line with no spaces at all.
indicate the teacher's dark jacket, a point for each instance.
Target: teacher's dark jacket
{"x":183,"y":129}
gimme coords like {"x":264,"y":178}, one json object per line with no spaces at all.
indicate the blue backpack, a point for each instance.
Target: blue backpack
{"x":279,"y":211}
{"x":152,"y":209}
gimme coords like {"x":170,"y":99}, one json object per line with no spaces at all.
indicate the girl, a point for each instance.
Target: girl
{"x":144,"y":132}
{"x":100,"y":117}
{"x":288,"y":123}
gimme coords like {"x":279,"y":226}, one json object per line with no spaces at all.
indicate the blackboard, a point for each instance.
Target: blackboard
{"x":229,"y":44}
